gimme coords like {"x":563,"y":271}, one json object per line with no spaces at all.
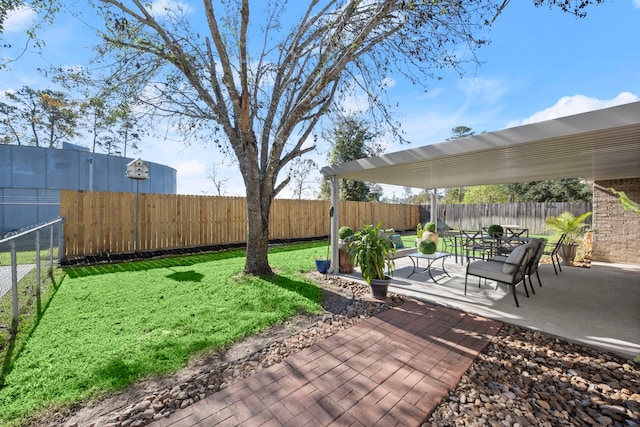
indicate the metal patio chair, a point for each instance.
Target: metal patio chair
{"x":511,"y":272}
{"x":554,"y":253}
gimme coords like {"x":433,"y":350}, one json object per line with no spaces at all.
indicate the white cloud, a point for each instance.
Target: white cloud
{"x":387,"y":83}
{"x":355,"y":104}
{"x":3,"y":93}
{"x":192,"y":177}
{"x":433,"y":93}
{"x":486,"y":91}
{"x":164,"y":7}
{"x":190,"y":168}
{"x":636,"y":4}
{"x":19,"y":19}
{"x":570,"y":105}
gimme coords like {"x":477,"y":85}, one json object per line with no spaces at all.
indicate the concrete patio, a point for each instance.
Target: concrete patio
{"x":597,"y":306}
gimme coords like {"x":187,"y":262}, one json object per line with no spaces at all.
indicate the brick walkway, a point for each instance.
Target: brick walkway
{"x":392,"y":369}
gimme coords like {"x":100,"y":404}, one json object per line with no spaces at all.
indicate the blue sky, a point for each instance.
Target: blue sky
{"x":541,"y":64}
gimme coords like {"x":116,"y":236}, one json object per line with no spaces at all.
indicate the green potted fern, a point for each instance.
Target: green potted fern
{"x":371,"y":250}
{"x":567,"y":223}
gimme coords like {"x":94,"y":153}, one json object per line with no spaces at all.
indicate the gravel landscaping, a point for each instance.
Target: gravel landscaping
{"x":522,"y":378}
{"x":526,"y":378}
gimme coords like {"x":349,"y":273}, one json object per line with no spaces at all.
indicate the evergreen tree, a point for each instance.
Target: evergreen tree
{"x":350,"y":139}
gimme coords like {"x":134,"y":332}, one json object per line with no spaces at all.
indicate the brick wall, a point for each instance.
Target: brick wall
{"x":616,"y":236}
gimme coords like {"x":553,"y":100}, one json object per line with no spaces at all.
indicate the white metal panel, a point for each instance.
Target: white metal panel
{"x":598,"y":145}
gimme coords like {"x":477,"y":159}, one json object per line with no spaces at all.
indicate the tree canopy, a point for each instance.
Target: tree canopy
{"x":553,"y":190}
{"x":350,"y":139}
{"x":42,"y":118}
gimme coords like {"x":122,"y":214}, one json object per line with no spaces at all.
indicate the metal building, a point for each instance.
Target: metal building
{"x":31,"y":179}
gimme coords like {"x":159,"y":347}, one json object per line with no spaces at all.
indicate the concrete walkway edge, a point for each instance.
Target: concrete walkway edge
{"x":388,"y":370}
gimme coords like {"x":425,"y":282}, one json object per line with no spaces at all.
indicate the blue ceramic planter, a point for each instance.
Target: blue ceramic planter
{"x":323,"y":265}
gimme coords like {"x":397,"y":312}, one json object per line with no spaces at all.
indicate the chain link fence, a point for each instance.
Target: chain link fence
{"x":27,"y":259}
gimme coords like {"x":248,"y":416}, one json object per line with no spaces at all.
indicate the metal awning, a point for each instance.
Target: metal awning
{"x":597,"y":145}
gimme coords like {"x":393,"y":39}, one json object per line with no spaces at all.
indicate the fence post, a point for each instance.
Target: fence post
{"x":51,"y":246}
{"x":60,"y":242}
{"x":38,"y":269}
{"x":14,"y":286}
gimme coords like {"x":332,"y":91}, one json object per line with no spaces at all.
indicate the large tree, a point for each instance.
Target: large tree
{"x":552,"y":190}
{"x":42,"y":118}
{"x":456,"y":195}
{"x":351,"y":138}
{"x":106,"y":111}
{"x":257,"y":82}
{"x":300,"y":175}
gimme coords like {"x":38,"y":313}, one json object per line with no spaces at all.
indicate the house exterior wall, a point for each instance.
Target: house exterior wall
{"x":616,"y":236}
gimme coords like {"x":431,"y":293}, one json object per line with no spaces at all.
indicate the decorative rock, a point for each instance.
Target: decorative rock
{"x":148,"y":414}
{"x":531,"y":379}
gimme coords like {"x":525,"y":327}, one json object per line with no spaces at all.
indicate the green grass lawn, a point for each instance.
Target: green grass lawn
{"x":26,"y":257}
{"x":108,"y":326}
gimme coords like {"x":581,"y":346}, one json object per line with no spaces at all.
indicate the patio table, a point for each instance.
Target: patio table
{"x":504,"y":244}
{"x":416,"y":256}
{"x":459,"y":238}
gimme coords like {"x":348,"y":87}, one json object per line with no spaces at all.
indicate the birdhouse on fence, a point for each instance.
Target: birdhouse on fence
{"x":137,"y":169}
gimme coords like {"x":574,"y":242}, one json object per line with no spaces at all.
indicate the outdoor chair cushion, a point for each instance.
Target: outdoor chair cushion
{"x":514,"y":260}
{"x":396,"y":240}
{"x":503,"y":271}
{"x":490,"y":270}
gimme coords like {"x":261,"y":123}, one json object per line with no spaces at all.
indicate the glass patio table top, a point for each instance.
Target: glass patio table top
{"x":415,"y":258}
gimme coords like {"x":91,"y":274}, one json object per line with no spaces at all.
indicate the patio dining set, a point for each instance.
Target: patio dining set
{"x":472,"y":244}
{"x":509,"y":258}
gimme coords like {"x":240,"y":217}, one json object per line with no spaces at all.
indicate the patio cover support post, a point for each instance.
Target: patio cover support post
{"x":434,"y":207}
{"x":335,"y":218}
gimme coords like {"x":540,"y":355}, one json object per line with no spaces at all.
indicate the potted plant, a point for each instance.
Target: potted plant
{"x":427,"y":247}
{"x":419,"y":231}
{"x":573,"y":227}
{"x":495,"y":231}
{"x":371,"y":250}
{"x":322,"y":264}
{"x":430,"y":232}
{"x":345,"y":265}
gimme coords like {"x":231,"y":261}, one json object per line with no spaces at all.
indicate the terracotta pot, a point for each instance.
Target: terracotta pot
{"x":345,"y":264}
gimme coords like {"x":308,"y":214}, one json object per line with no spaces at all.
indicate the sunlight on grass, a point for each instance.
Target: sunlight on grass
{"x":108,"y":326}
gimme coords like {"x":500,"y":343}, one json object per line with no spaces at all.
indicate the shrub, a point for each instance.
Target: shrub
{"x":567,"y":223}
{"x":370,"y":250}
{"x":427,"y":247}
{"x":345,"y":232}
{"x":496,"y":230}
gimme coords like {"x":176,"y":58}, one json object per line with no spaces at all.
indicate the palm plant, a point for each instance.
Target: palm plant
{"x":567,"y":223}
{"x":370,"y":249}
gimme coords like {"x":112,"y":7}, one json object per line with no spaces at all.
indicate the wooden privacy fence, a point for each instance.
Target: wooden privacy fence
{"x":97,"y":222}
{"x":528,"y":215}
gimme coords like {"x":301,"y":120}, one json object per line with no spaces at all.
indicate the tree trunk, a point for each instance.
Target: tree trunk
{"x":258,"y":210}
